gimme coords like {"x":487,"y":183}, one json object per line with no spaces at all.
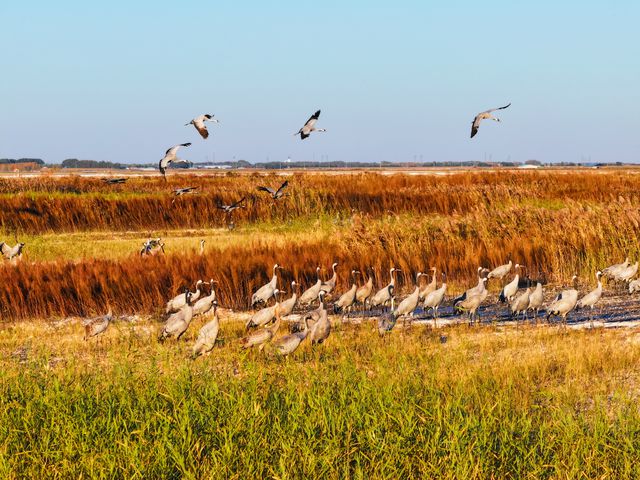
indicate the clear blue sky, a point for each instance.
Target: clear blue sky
{"x":395,"y":80}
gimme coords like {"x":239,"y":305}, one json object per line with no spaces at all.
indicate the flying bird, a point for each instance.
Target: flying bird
{"x":114,"y":181}
{"x":275,"y":194}
{"x":484,"y":116}
{"x":198,"y":122}
{"x":170,"y":157}
{"x":183,"y":191}
{"x":230,"y":208}
{"x":310,"y":126}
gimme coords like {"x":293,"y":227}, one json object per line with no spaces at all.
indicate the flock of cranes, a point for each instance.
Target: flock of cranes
{"x":199,"y":123}
{"x":521,"y":297}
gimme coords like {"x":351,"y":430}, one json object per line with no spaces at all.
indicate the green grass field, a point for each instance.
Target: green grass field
{"x":487,"y":403}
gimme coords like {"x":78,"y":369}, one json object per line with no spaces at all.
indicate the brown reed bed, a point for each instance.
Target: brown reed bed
{"x":552,"y":243}
{"x":49,"y":204}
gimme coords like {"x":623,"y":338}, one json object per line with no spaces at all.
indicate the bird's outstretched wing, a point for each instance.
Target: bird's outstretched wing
{"x":175,"y":148}
{"x":474,"y":126}
{"x":266,"y":189}
{"x":239,"y":202}
{"x":283,"y":186}
{"x":497,"y":108}
{"x":202,"y":129}
{"x":308,"y":126}
{"x":312,"y":119}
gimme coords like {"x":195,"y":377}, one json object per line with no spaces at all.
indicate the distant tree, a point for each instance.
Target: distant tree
{"x":75,"y":163}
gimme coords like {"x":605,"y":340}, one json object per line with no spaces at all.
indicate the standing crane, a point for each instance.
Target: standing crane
{"x":97,"y":325}
{"x":364,"y":292}
{"x":262,"y":336}
{"x":510,"y":289}
{"x":471,"y":303}
{"x":178,"y":322}
{"x":564,"y":303}
{"x":207,"y":335}
{"x":322,"y":327}
{"x":429,"y":287}
{"x":311,"y":293}
{"x":348,"y":299}
{"x":179,"y":301}
{"x":409,"y":304}
{"x":265,"y":315}
{"x":434,"y":299}
{"x":520,"y":304}
{"x":264,"y":293}
{"x":593,"y":297}
{"x":535,"y":300}
{"x":383,"y":296}
{"x":330,"y":285}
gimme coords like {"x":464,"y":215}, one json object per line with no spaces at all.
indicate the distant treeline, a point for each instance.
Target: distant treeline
{"x":76,"y":163}
{"x":5,"y":161}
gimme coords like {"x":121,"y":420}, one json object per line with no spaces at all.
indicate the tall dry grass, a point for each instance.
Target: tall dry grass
{"x":32,"y":206}
{"x":552,"y":244}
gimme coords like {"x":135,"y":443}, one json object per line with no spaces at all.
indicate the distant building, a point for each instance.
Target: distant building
{"x":529,"y":167}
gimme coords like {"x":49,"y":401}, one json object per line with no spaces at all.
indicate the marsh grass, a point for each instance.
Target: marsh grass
{"x":487,"y":403}
{"x":47,"y":204}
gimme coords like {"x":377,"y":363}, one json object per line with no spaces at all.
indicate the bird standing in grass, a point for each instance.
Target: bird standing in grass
{"x":264,"y":293}
{"x":265,"y":315}
{"x":429,"y":287}
{"x":288,"y":344}
{"x":409,"y":304}
{"x":311,"y":293}
{"x":322,"y":327}
{"x":178,"y":323}
{"x":262,"y":336}
{"x":383,"y":296}
{"x":207,"y":335}
{"x":434,"y":299}
{"x":199,"y":124}
{"x":347,"y":300}
{"x":97,"y":325}
{"x":204,"y":304}
{"x":179,"y":301}
{"x":329,"y":285}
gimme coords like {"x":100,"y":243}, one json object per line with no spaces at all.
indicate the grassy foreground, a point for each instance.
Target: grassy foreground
{"x":487,"y":403}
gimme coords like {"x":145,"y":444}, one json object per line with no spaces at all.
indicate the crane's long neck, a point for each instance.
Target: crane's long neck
{"x":276,"y":324}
